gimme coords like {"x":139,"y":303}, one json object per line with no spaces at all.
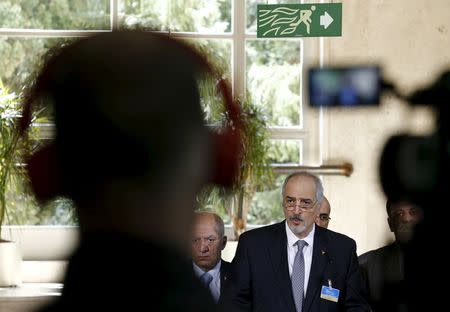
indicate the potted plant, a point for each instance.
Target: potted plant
{"x":255,"y":172}
{"x":10,"y":110}
{"x":12,"y":178}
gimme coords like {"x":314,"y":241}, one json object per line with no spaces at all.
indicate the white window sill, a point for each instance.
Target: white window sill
{"x":28,"y":296}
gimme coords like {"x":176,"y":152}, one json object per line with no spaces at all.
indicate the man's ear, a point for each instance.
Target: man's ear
{"x":224,"y":242}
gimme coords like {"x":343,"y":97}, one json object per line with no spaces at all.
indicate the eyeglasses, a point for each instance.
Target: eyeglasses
{"x":305,"y":204}
{"x":324,"y":217}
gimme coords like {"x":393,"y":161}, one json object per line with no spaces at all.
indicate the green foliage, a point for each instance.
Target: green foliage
{"x":255,"y":172}
{"x":10,"y":153}
{"x":177,"y":15}
{"x":273,"y":75}
{"x":273,"y":78}
{"x":60,"y":14}
{"x":266,"y":206}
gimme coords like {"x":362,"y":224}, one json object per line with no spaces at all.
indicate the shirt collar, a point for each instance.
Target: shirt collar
{"x":214,"y":271}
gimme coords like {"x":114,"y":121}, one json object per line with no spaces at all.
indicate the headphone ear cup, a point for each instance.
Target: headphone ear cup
{"x":43,"y":172}
{"x":227,"y":157}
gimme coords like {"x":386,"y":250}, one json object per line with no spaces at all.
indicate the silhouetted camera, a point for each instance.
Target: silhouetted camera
{"x":413,"y":168}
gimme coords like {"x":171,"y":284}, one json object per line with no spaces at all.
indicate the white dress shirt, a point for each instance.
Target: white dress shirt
{"x":214,"y":286}
{"x":307,"y":252}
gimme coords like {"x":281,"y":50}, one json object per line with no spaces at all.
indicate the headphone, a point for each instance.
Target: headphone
{"x":43,"y":166}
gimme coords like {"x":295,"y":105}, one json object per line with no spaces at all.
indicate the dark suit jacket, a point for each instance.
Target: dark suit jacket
{"x":261,"y":275}
{"x":383,"y":275}
{"x":113,"y":272}
{"x":225,"y":270}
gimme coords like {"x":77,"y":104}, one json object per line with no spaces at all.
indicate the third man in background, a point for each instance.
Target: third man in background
{"x":383,"y":268}
{"x":323,"y":218}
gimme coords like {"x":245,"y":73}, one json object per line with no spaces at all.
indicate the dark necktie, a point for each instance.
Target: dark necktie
{"x":298,"y":276}
{"x":205,"y":279}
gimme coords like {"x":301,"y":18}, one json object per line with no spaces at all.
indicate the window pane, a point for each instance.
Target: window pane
{"x":266,"y":206}
{"x":55,"y":14}
{"x":206,"y":16}
{"x":285,"y":152}
{"x":251,"y":6}
{"x":218,"y":51}
{"x":21,"y":58}
{"x":219,"y":54}
{"x":273,"y":78}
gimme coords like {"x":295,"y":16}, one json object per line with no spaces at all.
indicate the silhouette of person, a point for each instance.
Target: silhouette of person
{"x":208,"y":241}
{"x":131,"y":150}
{"x":383,"y":268}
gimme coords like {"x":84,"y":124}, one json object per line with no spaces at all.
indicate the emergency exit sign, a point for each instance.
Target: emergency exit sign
{"x":299,"y":20}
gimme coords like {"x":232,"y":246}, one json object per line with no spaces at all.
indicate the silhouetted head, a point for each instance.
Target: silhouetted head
{"x":130,"y":131}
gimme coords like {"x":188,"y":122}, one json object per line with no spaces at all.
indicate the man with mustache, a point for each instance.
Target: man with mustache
{"x":383,"y":268}
{"x":295,"y":265}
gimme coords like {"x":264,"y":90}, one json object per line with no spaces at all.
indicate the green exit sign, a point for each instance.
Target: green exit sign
{"x":299,"y":20}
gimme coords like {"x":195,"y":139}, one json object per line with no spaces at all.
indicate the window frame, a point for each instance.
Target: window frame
{"x":309,"y":132}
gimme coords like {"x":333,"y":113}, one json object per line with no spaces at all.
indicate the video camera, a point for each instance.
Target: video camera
{"x":412,"y":168}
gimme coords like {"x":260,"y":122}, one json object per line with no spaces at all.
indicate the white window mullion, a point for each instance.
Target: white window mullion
{"x":238,"y":53}
{"x":114,"y":7}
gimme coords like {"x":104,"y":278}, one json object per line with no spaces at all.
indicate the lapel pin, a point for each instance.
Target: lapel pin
{"x":323,"y":252}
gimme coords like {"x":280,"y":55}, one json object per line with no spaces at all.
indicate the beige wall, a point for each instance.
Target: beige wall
{"x":411,"y":39}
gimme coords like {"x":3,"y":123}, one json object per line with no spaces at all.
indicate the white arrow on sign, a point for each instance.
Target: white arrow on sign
{"x":326,"y":20}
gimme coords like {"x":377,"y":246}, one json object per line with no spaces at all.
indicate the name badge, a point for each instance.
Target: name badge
{"x":329,"y":293}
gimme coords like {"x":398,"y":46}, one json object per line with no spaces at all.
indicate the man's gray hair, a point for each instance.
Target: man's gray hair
{"x":317,"y":181}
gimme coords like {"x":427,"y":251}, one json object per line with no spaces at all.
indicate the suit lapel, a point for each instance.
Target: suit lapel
{"x":278,"y":256}
{"x":320,"y":260}
{"x":224,"y":269}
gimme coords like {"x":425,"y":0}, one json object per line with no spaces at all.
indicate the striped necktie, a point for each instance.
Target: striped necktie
{"x":298,"y":276}
{"x":205,"y":279}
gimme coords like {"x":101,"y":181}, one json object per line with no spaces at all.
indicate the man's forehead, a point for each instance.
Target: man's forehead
{"x":301,"y":184}
{"x":301,"y":181}
{"x":403,"y":205}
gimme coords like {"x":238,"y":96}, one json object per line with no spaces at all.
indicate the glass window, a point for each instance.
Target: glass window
{"x":266,"y":206}
{"x":273,"y":78}
{"x":286,"y":152}
{"x":201,"y":16}
{"x":21,"y":57}
{"x":55,"y":14}
{"x":271,"y":70}
{"x":220,"y":49}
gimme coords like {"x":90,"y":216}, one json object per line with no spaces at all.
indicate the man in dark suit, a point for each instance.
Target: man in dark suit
{"x":383,"y":268}
{"x":295,"y":265}
{"x":208,"y":241}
